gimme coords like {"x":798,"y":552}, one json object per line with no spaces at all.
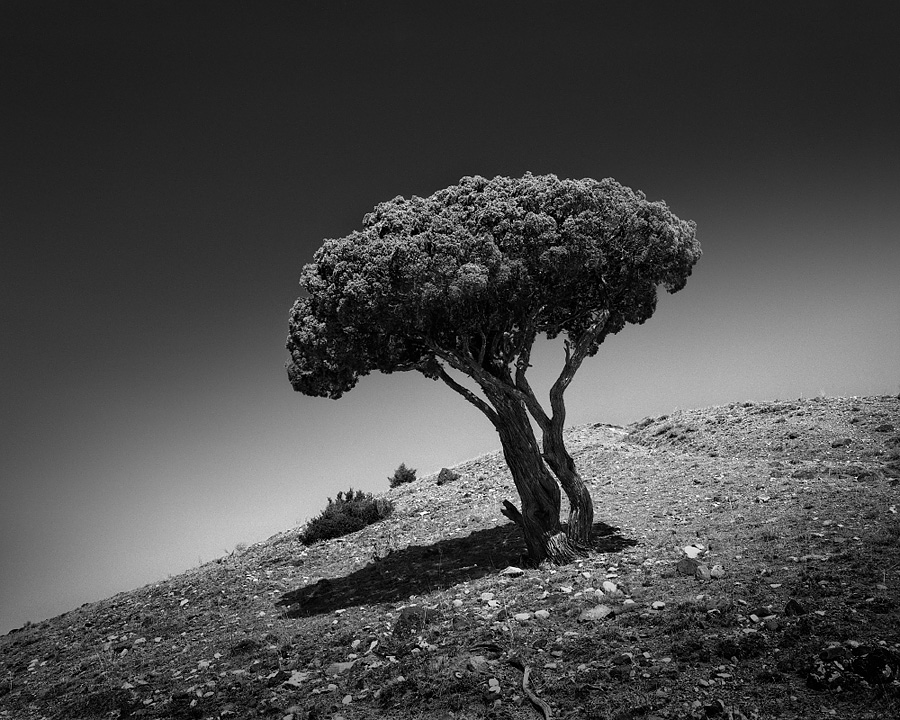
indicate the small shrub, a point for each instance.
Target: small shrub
{"x":402,"y":475}
{"x":351,"y":511}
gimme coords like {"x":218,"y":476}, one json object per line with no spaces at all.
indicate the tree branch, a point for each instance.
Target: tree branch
{"x":468,"y":395}
{"x":575,"y":354}
{"x":522,"y":384}
{"x":465,"y":363}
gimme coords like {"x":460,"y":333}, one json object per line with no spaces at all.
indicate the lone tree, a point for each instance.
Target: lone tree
{"x":464,"y":281}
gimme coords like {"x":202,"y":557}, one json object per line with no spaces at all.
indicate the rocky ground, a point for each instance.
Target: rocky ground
{"x":749,"y":569}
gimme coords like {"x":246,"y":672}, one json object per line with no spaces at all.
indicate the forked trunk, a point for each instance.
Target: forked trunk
{"x":538,"y":490}
{"x":581,"y":506}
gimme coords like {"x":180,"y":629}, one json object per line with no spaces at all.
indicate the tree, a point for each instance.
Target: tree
{"x":464,"y":281}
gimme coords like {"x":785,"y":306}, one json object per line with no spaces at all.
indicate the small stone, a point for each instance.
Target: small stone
{"x":338,"y":668}
{"x":610,"y":588}
{"x":595,"y":613}
{"x":457,"y":603}
{"x":717,"y":571}
{"x":692,"y":551}
{"x":792,"y":607}
{"x":522,"y":617}
{"x":347,"y":699}
{"x":687,"y":566}
{"x":658,"y":605}
{"x":623,"y":659}
{"x":841,"y":442}
{"x":702,"y":572}
{"x":512,"y":571}
{"x":487,"y":596}
{"x":542,"y":614}
{"x":835,"y":652}
{"x":296,"y":678}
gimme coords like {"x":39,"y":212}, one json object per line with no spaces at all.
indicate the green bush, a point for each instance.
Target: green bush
{"x":351,"y":511}
{"x":402,"y":475}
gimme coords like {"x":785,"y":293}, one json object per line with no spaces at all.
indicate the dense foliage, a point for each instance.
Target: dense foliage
{"x":402,"y":475}
{"x":488,"y":262}
{"x":349,"y":512}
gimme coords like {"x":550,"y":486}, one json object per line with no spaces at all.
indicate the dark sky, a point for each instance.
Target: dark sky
{"x":166,"y":168}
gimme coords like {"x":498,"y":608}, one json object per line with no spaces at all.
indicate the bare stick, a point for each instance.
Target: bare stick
{"x":538,"y":703}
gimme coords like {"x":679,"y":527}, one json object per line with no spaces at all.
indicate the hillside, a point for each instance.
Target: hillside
{"x":793,"y":612}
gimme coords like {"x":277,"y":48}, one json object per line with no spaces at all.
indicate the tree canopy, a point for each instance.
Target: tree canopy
{"x":488,"y":264}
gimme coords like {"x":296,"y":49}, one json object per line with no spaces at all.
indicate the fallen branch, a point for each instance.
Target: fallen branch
{"x":538,"y":703}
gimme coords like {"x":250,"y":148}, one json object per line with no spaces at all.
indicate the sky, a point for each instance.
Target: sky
{"x":167,"y":168}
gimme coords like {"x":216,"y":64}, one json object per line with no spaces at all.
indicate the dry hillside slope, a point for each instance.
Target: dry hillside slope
{"x":789,"y":610}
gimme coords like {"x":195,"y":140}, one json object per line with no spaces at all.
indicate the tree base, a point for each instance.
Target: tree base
{"x":554,"y":548}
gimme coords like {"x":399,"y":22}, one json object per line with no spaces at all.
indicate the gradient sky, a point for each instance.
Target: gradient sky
{"x":166,"y":169}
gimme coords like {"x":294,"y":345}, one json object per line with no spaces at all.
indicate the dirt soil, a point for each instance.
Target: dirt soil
{"x":789,"y":607}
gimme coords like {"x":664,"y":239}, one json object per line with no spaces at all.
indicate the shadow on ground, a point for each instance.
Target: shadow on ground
{"x":419,"y":569}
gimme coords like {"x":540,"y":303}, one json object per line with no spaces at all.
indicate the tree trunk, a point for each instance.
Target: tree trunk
{"x":537,"y":488}
{"x":581,"y":507}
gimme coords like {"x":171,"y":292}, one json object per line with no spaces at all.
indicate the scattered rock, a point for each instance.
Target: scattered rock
{"x":692,"y":551}
{"x":522,"y":617}
{"x":886,"y":427}
{"x":296,"y":678}
{"x":717,"y":571}
{"x":836,"y":667}
{"x":658,"y":605}
{"x":877,"y":666}
{"x":842,"y":442}
{"x":542,"y":614}
{"x":833,"y":652}
{"x":447,"y":476}
{"x":625,"y":658}
{"x":713,"y":709}
{"x":595,"y":613}
{"x":793,"y":607}
{"x":512,"y":571}
{"x":687,"y":566}
{"x":339,"y":668}
{"x":703,"y":572}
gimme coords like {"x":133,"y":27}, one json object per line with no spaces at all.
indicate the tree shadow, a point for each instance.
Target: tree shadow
{"x":420,"y":569}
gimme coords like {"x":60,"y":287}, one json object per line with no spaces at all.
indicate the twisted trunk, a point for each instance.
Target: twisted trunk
{"x":537,"y":488}
{"x":581,"y":507}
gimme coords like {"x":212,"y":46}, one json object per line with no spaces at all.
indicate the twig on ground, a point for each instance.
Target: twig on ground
{"x":538,"y":703}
